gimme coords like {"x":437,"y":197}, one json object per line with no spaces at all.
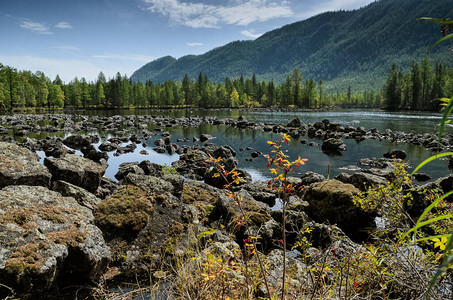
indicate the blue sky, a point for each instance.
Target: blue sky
{"x":83,"y":37}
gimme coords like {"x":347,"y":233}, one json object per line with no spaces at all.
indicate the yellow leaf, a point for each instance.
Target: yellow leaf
{"x":440,"y":243}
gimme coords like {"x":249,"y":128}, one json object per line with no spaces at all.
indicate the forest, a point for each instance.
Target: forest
{"x":413,"y":90}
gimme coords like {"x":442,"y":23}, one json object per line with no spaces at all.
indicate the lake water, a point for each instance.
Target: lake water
{"x":317,"y":161}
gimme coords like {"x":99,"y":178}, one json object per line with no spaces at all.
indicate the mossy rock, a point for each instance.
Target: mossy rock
{"x":330,"y":202}
{"x":125,"y":213}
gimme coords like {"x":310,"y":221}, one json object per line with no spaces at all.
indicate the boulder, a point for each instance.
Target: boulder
{"x":106,"y":187}
{"x":226,"y":208}
{"x":20,"y":166}
{"x":48,"y":243}
{"x":154,"y":185}
{"x":447,"y":185}
{"x":296,"y":277}
{"x":260,"y":191}
{"x":76,"y":170}
{"x":333,"y":144}
{"x":124,"y":213}
{"x":151,"y":168}
{"x":91,"y":153}
{"x":311,"y":177}
{"x":82,"y":196}
{"x":193,"y":164}
{"x":398,"y":154}
{"x":77,"y":142}
{"x":205,"y":137}
{"x":331,"y":202}
{"x":294,"y":123}
{"x":362,"y":180}
{"x":107,"y":146}
{"x":211,"y":178}
{"x":126,"y":168}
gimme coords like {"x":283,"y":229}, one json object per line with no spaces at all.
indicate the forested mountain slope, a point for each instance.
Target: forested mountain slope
{"x":343,"y":48}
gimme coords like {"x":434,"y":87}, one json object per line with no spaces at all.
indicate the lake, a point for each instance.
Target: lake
{"x":418,"y":122}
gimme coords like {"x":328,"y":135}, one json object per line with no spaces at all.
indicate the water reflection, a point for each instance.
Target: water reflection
{"x":257,"y":140}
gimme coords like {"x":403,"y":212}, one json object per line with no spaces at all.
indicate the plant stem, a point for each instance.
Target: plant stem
{"x":284,"y":246}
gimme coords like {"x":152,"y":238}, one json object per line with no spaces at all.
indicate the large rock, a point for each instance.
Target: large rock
{"x":398,"y":154}
{"x":361,"y":180}
{"x":124,"y":213}
{"x":294,"y":123}
{"x":77,"y":141}
{"x":312,"y":177}
{"x":18,"y":166}
{"x":226,"y":208}
{"x":331,"y":202}
{"x":76,"y":170}
{"x":82,"y":196}
{"x":333,"y":144}
{"x":193,"y":164}
{"x":128,"y":167}
{"x":47,"y":243}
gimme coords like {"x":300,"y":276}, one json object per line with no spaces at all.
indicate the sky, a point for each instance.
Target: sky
{"x":81,"y":38}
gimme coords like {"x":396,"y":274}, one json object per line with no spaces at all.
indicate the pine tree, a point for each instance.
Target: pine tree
{"x":392,"y":89}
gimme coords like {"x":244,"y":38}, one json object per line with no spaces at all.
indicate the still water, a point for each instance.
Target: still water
{"x":317,"y":161}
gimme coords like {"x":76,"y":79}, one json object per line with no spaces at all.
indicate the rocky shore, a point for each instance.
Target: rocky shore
{"x":22,"y":125}
{"x":65,"y":227}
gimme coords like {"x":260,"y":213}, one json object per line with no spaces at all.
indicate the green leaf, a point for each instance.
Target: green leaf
{"x":429,"y":238}
{"x":429,"y":160}
{"x":442,"y":39}
{"x":427,"y":222}
{"x":447,"y":112}
{"x":428,"y":209}
{"x":441,"y":21}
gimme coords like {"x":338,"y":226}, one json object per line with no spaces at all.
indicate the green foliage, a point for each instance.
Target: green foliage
{"x":169,"y":170}
{"x":389,"y":200}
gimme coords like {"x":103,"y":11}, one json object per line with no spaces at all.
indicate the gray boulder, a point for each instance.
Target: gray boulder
{"x":77,"y":170}
{"x":294,"y":123}
{"x":361,"y":180}
{"x":82,"y":196}
{"x":19,"y":166}
{"x":330,"y":197}
{"x":126,"y":168}
{"x":47,"y":242}
{"x":311,"y":177}
{"x":333,"y":144}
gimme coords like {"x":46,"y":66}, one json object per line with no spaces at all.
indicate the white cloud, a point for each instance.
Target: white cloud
{"x":63,"y":25}
{"x":200,"y":15}
{"x":35,"y":27}
{"x":332,"y":5}
{"x":194,"y":44}
{"x":67,"y":47}
{"x":140,"y":58}
{"x":251,"y":34}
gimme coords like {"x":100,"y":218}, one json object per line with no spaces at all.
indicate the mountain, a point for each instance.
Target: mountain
{"x":343,"y":48}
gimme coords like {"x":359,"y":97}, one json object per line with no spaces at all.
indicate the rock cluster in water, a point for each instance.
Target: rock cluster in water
{"x":22,"y":125}
{"x":64,"y":225}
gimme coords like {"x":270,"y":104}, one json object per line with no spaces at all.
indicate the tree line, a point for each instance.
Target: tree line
{"x":418,"y":88}
{"x":414,"y":90}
